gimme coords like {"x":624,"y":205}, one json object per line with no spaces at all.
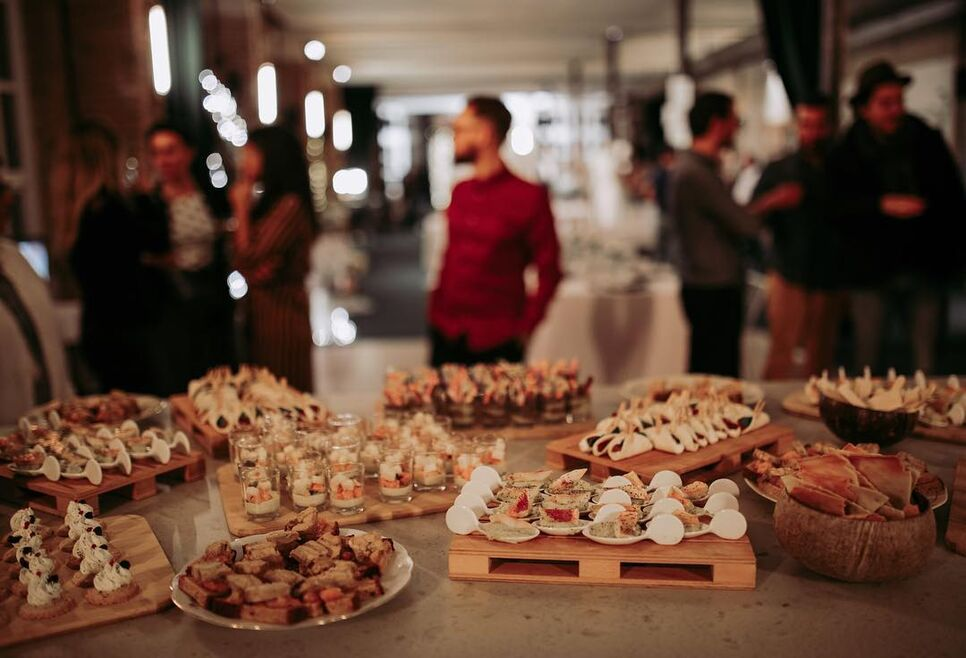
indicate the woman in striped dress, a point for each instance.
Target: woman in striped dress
{"x":273,"y":208}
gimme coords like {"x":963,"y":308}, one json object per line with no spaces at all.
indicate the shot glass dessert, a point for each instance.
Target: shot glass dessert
{"x":492,"y":449}
{"x":396,"y":476}
{"x":429,"y":471}
{"x":307,"y":481}
{"x":260,"y":491}
{"x":467,"y":458}
{"x":346,"y":489}
{"x":250,"y":452}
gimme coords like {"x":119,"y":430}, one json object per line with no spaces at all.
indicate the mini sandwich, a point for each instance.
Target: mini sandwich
{"x":528,"y":479}
{"x":578,"y":501}
{"x":637,"y":493}
{"x":551,"y":517}
{"x":569,"y":482}
{"x":691,"y":521}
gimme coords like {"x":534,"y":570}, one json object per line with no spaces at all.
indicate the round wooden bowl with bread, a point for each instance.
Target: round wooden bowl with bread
{"x":853,"y":550}
{"x":862,"y":425}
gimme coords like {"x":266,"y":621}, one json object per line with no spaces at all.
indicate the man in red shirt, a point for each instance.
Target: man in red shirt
{"x":498,"y":225}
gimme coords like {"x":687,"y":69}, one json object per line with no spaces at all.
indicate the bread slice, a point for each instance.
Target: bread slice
{"x":251,"y":567}
{"x":229,"y":606}
{"x":242,"y":581}
{"x":266,"y":592}
{"x":193,"y":588}
{"x":208,"y":570}
{"x":283,"y":576}
{"x":274,"y":615}
{"x":284,"y":540}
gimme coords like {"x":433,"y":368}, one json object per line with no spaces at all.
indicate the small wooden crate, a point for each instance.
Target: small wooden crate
{"x":718,"y":460}
{"x":53,"y":497}
{"x":133,"y":537}
{"x":705,"y":562}
{"x":239,"y":525}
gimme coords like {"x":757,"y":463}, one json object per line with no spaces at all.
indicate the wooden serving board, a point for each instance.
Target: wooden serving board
{"x":543,"y":432}
{"x":52,"y":497}
{"x":133,"y":537}
{"x":798,"y":405}
{"x":424,"y":502}
{"x":956,"y":532}
{"x":718,"y":460}
{"x":705,"y":562}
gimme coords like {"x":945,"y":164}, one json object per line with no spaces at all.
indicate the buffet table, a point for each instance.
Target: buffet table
{"x":791,"y":612}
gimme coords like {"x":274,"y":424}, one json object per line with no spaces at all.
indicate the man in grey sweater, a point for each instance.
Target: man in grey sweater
{"x":711,"y":229}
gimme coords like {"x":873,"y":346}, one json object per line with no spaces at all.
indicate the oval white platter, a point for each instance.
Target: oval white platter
{"x":394,"y":579}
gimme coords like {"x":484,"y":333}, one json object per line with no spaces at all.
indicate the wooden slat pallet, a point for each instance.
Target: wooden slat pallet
{"x":706,"y":562}
{"x":798,"y":405}
{"x":53,"y":497}
{"x":135,"y":540}
{"x":718,"y":460}
{"x":216,"y":443}
{"x":239,"y":525}
{"x":956,"y":532}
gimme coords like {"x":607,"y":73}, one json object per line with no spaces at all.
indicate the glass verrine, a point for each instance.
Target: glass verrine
{"x":250,"y":452}
{"x":343,"y":449}
{"x":346,"y":488}
{"x":308,"y":482}
{"x":492,"y":449}
{"x":260,"y":492}
{"x":429,"y":471}
{"x":468,"y":456}
{"x":240,"y":435}
{"x":396,"y":476}
{"x":370,"y":455}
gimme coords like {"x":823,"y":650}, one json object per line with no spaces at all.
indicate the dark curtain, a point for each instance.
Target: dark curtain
{"x":793,"y":33}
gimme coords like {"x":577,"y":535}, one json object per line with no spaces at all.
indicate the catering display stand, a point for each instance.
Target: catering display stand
{"x":714,"y":461}
{"x":706,"y":562}
{"x":239,"y":525}
{"x":797,"y":404}
{"x":133,"y":538}
{"x":52,"y":497}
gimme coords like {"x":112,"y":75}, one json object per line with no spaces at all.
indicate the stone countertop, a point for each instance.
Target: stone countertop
{"x":791,"y":612}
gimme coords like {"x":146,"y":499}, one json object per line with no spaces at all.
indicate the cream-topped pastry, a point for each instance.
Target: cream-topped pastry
{"x":82,"y":525}
{"x":91,"y":539}
{"x":35,"y":566}
{"x":23,"y":519}
{"x":77,"y":511}
{"x":95,"y":560}
{"x":113,"y":576}
{"x":44,"y":591}
{"x":26,"y":542}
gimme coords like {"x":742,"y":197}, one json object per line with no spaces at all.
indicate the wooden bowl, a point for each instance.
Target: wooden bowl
{"x":859,"y":425}
{"x":853,"y":550}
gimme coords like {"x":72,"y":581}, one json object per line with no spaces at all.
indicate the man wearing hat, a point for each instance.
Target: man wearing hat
{"x":897,"y":195}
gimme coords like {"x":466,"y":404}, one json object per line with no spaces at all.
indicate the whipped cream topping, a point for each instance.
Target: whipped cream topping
{"x":43,"y":591}
{"x":113,"y":576}
{"x":76,"y":512}
{"x":23,"y":518}
{"x":95,"y":560}
{"x":82,"y":525}
{"x":29,"y":540}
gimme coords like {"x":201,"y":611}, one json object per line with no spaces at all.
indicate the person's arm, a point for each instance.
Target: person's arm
{"x":259,"y":252}
{"x":545,"y":254}
{"x":715,"y":200}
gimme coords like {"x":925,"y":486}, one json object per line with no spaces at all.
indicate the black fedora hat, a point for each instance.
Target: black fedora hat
{"x":877,"y":73}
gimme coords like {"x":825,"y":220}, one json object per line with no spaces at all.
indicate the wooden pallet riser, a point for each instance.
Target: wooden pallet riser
{"x":54,"y":497}
{"x":707,"y":464}
{"x":713,"y":564}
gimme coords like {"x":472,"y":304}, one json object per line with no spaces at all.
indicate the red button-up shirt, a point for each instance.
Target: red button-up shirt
{"x":497,"y":227}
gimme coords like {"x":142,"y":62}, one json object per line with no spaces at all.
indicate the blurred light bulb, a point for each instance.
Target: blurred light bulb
{"x":160,"y":59}
{"x":341,"y":73}
{"x":342,"y":130}
{"x":314,"y":114}
{"x":521,"y":140}
{"x":314,"y":50}
{"x":267,"y":94}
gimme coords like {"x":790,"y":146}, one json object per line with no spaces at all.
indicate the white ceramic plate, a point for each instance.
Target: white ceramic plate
{"x":394,"y":580}
{"x":635,"y":388}
{"x":612,"y":541}
{"x":942,"y":500}
{"x":510,"y":540}
{"x":562,"y":531}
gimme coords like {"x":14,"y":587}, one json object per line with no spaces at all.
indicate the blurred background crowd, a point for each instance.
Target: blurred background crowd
{"x":748,"y":187}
